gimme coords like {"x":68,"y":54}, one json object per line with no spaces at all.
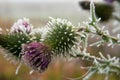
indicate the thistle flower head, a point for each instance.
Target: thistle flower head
{"x":61,"y":37}
{"x":22,"y":26}
{"x":36,"y":55}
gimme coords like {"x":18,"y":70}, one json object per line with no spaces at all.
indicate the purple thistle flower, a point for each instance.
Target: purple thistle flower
{"x":36,"y":55}
{"x":22,"y":26}
{"x":109,"y":1}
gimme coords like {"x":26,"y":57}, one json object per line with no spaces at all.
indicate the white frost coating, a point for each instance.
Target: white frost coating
{"x":118,"y":36}
{"x":90,"y":18}
{"x":101,"y":55}
{"x":65,"y":33}
{"x":60,"y":21}
{"x":31,"y":72}
{"x":98,"y":19}
{"x":96,"y":43}
{"x":7,"y":30}
{"x":103,"y":27}
{"x":0,"y":29}
{"x":106,"y":32}
{"x":17,"y":70}
{"x":92,"y":12}
{"x":62,"y":38}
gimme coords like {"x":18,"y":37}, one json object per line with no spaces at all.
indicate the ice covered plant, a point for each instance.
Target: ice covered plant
{"x":62,"y":38}
{"x":36,"y":55}
{"x":101,"y":65}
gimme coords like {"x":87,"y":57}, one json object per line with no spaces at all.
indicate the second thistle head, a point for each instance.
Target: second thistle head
{"x":22,"y":26}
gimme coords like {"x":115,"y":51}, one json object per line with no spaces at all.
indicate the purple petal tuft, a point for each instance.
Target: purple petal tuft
{"x":36,"y":55}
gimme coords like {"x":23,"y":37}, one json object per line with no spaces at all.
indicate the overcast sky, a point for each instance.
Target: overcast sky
{"x":20,"y":1}
{"x":36,"y":0}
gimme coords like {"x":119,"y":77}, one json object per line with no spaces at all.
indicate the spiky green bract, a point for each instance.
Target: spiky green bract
{"x":61,"y":37}
{"x":12,"y":43}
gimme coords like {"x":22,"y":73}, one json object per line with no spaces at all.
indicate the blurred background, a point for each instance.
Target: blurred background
{"x":38,"y":12}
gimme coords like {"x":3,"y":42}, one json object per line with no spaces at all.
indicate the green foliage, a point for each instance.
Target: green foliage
{"x":61,"y":37}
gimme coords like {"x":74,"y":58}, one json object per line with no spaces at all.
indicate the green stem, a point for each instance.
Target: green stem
{"x":102,"y":34}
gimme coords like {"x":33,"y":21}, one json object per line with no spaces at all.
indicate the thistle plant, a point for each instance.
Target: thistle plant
{"x":60,"y":37}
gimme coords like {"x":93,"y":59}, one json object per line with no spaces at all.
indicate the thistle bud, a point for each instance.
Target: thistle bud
{"x":36,"y":55}
{"x":61,"y":36}
{"x":22,"y":26}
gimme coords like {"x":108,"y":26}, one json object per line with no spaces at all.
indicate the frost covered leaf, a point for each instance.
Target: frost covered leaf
{"x":92,"y":12}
